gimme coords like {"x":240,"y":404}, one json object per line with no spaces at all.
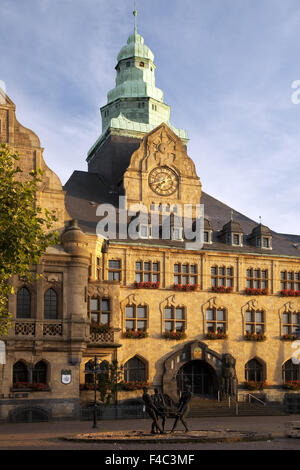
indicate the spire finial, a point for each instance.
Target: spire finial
{"x":231,"y":215}
{"x":260,"y":219}
{"x":135,"y":15}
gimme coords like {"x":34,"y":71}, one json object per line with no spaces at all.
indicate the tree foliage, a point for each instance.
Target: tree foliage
{"x":108,"y":380}
{"x":25,"y":228}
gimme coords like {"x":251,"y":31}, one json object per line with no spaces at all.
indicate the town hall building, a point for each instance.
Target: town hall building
{"x":169,"y":315}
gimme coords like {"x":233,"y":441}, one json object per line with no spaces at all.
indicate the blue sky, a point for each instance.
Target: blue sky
{"x":226,"y":68}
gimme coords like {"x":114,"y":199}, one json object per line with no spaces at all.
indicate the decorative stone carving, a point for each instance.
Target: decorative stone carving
{"x":53,"y":277}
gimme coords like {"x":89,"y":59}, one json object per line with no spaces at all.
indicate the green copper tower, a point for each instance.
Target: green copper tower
{"x":135,"y":105}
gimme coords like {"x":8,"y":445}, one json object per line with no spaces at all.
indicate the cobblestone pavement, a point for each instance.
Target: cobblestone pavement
{"x":46,"y":436}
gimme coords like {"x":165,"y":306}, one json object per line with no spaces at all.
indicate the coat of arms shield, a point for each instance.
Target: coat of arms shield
{"x":66,"y":376}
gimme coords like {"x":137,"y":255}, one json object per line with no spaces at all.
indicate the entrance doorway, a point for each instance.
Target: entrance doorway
{"x":200,"y":376}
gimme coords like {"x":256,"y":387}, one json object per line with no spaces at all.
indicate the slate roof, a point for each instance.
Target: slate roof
{"x":85,"y":191}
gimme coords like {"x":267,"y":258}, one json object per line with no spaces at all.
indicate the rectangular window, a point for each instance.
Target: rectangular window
{"x":236,"y":239}
{"x":175,"y":319}
{"x":257,"y":278}
{"x":290,"y":321}
{"x":136,"y":317}
{"x":216,"y":321}
{"x":185,"y":273}
{"x":99,"y":310}
{"x":289,"y":280}
{"x":147,"y":271}
{"x":114,"y":270}
{"x":221,"y":276}
{"x":255,"y":322}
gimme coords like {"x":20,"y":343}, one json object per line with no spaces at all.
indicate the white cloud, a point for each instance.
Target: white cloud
{"x":226,"y":69}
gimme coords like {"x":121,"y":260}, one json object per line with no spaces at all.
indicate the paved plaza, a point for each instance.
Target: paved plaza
{"x":50,"y":436}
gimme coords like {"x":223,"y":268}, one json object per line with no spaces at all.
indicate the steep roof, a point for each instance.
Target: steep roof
{"x":84,"y":191}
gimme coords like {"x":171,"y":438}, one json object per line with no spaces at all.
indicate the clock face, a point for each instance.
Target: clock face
{"x":163,"y":181}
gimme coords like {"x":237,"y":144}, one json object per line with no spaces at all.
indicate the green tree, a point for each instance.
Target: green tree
{"x":25,"y":229}
{"x":108,"y":380}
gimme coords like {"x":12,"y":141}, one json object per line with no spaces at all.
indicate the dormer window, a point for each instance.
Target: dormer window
{"x":144,"y":231}
{"x":261,"y":237}
{"x":141,"y":64}
{"x":177,"y":233}
{"x":236,"y":239}
{"x":207,"y":233}
{"x":127,"y":64}
{"x":232,"y":234}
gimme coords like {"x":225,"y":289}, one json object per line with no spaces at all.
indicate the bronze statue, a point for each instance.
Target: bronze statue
{"x":160,"y":404}
{"x":183,"y":408}
{"x":152,"y":412}
{"x":229,"y":378}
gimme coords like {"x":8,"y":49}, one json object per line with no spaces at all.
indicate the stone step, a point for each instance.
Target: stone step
{"x":203,"y":408}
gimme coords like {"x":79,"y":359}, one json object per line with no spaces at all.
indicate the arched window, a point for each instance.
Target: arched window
{"x":20,"y":372}
{"x":39,"y":373}
{"x":254,"y":371}
{"x":88,"y":378}
{"x":23,"y":303}
{"x":103,"y":368}
{"x":290,"y":371}
{"x":50,"y":305}
{"x":134,"y":370}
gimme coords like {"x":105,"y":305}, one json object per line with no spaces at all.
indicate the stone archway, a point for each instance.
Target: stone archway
{"x":205,"y":366}
{"x":200,"y":376}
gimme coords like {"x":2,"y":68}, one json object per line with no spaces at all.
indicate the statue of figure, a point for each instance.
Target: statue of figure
{"x":152,"y":412}
{"x":229,"y":378}
{"x":183,"y":408}
{"x":159,"y":403}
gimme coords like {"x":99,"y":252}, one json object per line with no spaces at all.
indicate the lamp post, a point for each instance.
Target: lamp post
{"x":94,"y":369}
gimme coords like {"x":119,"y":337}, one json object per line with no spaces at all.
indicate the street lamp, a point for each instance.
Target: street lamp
{"x":94,"y":369}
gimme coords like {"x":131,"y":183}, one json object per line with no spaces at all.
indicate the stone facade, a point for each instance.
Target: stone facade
{"x":96,"y":281}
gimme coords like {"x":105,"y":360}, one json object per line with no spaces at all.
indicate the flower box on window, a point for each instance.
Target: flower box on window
{"x":254,"y":291}
{"x":129,"y":386}
{"x":88,"y":386}
{"x":255,"y":337}
{"x":290,"y":293}
{"x":253,"y":385}
{"x":33,"y":387}
{"x":185,"y":287}
{"x":288,"y":337}
{"x":216,"y":335}
{"x":292,"y":385}
{"x":100,"y":328}
{"x":222,"y":289}
{"x":146,"y":285}
{"x":174,"y":335}
{"x":136,"y":334}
